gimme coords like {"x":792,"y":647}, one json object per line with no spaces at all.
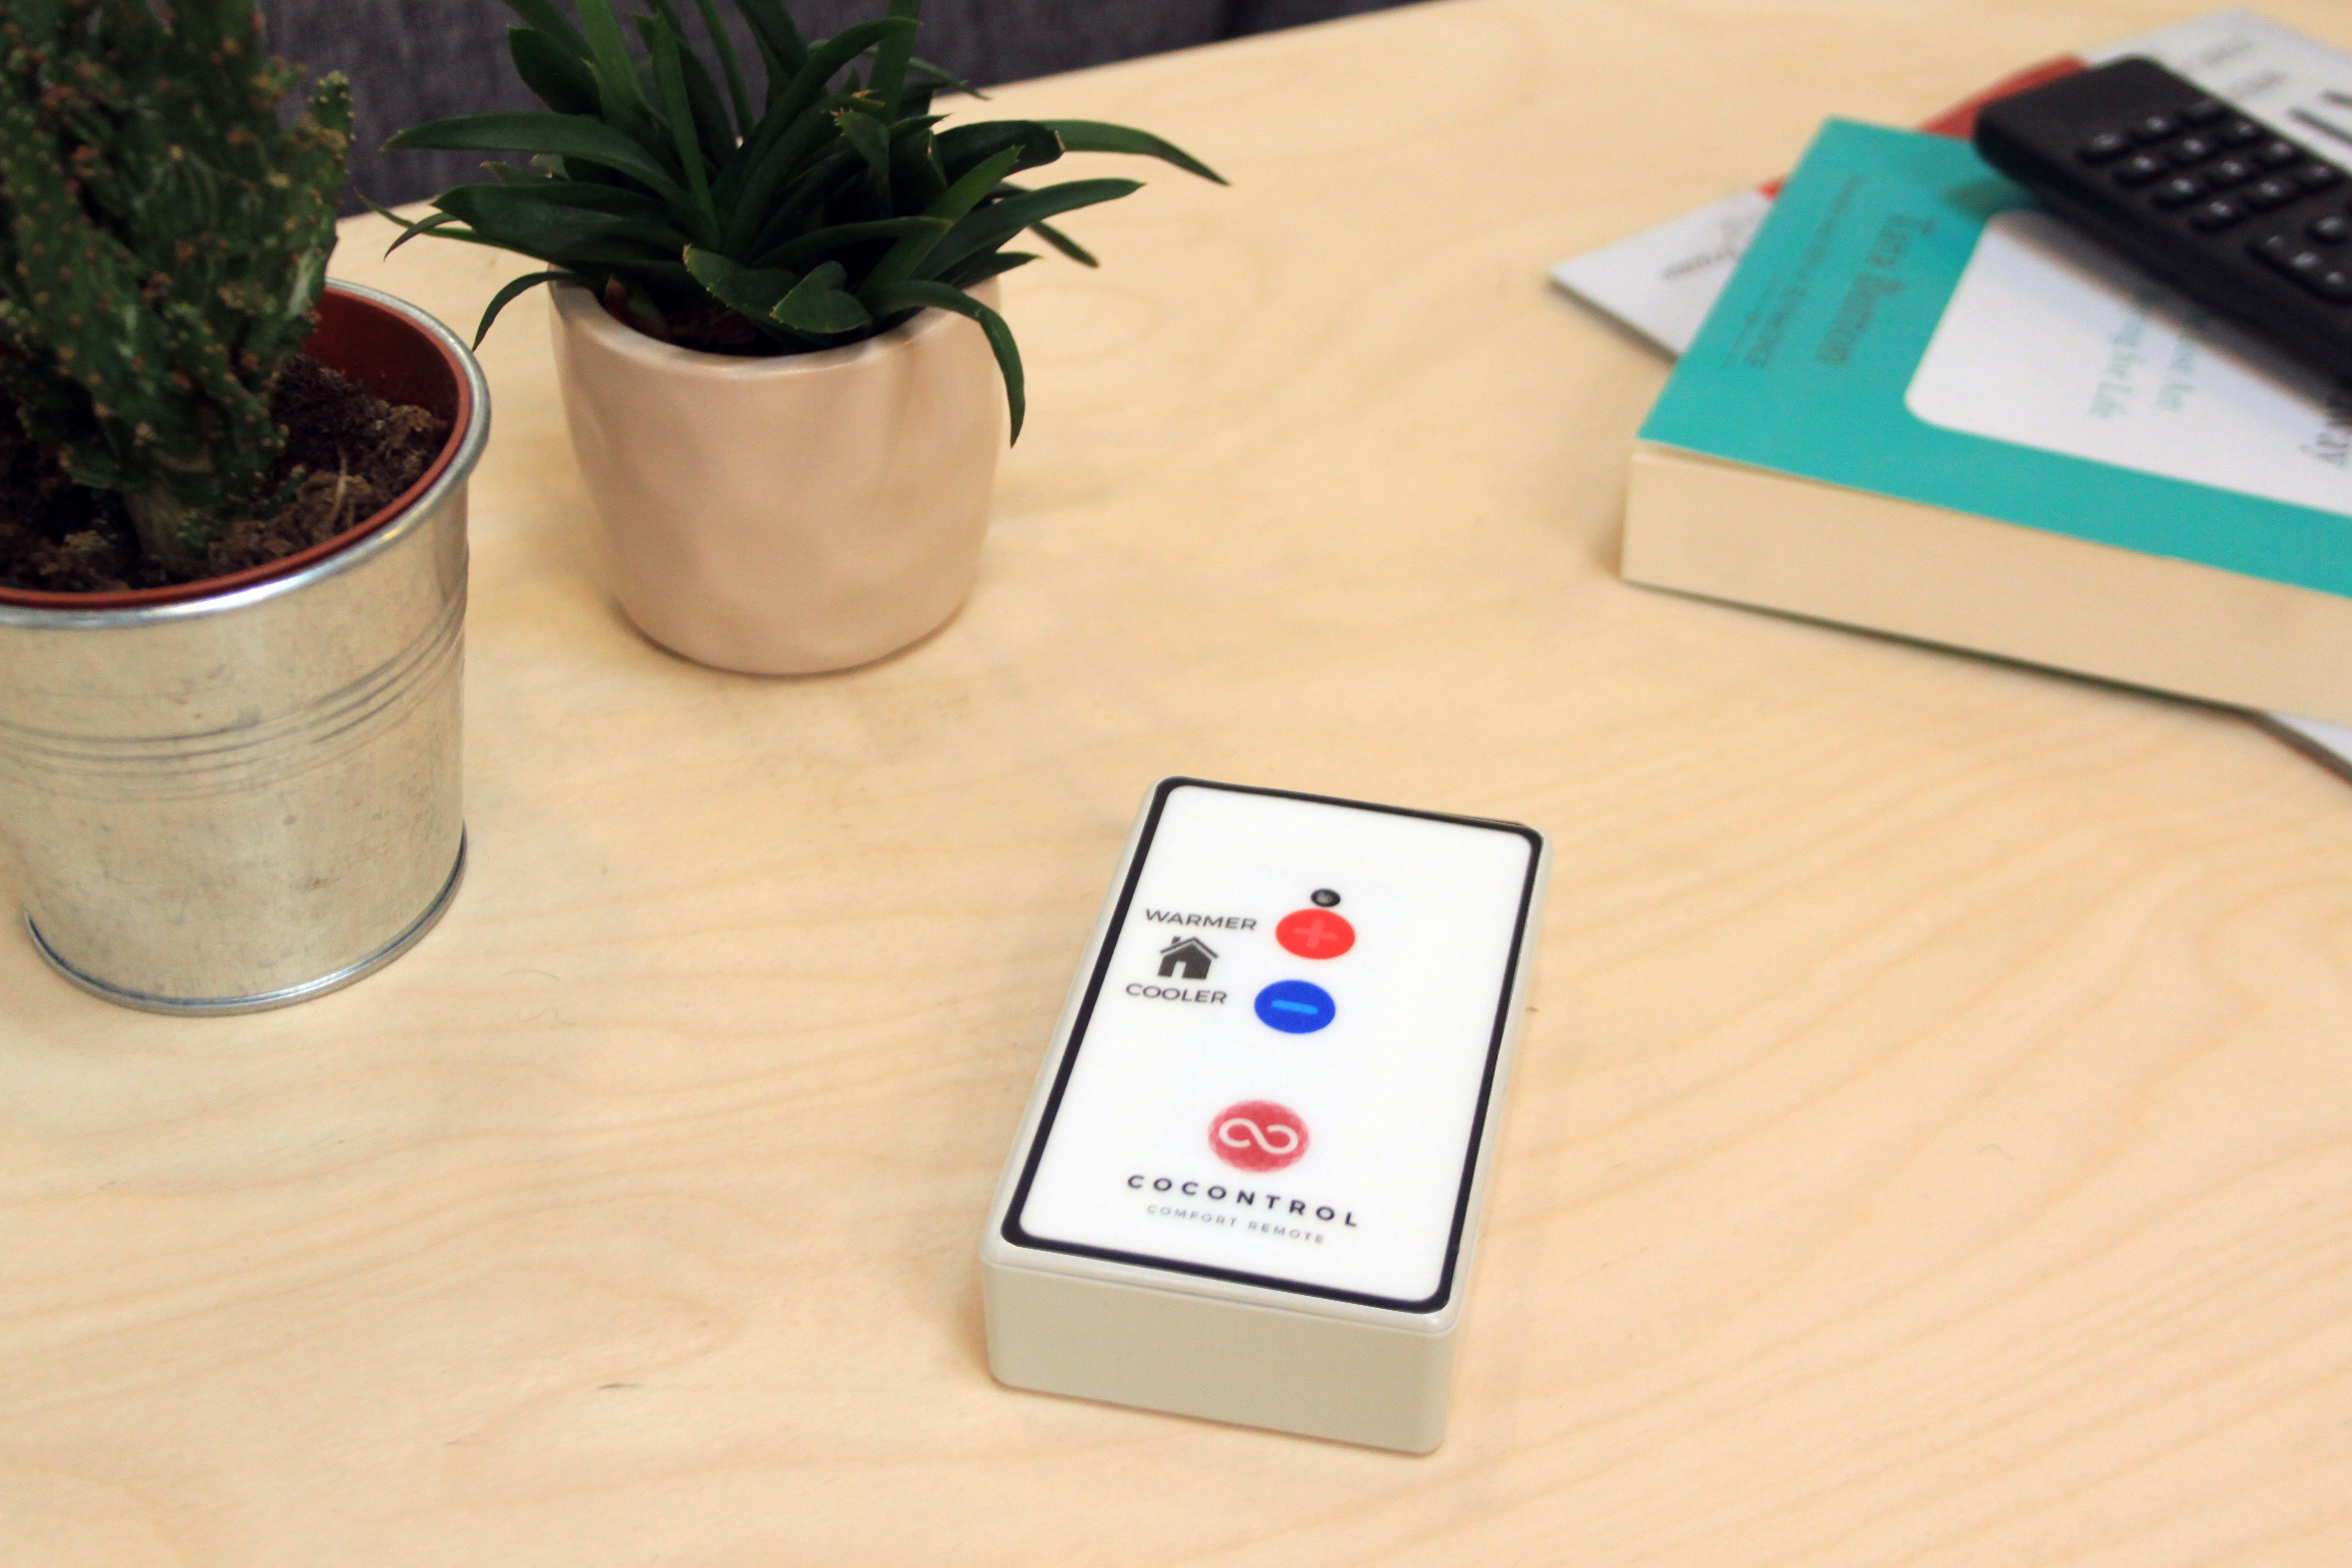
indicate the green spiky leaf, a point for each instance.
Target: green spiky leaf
{"x":616,"y":73}
{"x":559,"y":78}
{"x":940,"y":77}
{"x":901,"y":296}
{"x":779,"y":41}
{"x":1094,"y":136}
{"x":958,"y":199}
{"x":679,"y":110}
{"x":967,"y":146}
{"x":819,"y":306}
{"x":575,"y":137}
{"x":515,"y":290}
{"x":998,"y":222}
{"x":815,"y":246}
{"x":755,"y":292}
{"x":706,"y":108}
{"x":818,"y":68}
{"x":1065,"y":244}
{"x":563,"y":218}
{"x":980,"y":269}
{"x":545,"y":16}
{"x":891,"y":57}
{"x":433,"y":225}
{"x":867,"y":138}
{"x":738,"y":95}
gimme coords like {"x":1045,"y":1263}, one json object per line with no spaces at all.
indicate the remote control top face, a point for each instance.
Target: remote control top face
{"x":2240,"y":217}
{"x":1280,"y":1070}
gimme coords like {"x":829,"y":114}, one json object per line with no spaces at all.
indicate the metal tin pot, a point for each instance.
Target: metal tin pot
{"x":244,"y":793}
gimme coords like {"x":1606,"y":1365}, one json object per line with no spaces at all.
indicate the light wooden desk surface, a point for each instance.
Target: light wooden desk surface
{"x":1933,"y":1144}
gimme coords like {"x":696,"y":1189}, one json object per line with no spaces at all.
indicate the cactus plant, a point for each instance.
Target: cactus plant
{"x":832,"y":212}
{"x":162,"y":243}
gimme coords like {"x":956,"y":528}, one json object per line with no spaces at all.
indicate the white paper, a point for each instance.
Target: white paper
{"x":2051,"y":342}
{"x":1663,"y":281}
{"x":2331,"y":744}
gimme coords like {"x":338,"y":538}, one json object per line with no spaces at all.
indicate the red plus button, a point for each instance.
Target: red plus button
{"x":1314,"y":933}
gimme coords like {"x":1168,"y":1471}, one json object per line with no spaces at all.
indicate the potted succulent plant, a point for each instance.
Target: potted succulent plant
{"x":232,"y":525}
{"x":773,"y":323}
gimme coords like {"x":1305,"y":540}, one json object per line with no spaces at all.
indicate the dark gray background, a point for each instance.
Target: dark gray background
{"x":410,"y":61}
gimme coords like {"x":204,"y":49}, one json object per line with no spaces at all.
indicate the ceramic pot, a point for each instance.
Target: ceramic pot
{"x":241,"y":792}
{"x":787,"y":514}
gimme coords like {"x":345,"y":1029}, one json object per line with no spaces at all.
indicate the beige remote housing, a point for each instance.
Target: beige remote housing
{"x":1248,"y":1181}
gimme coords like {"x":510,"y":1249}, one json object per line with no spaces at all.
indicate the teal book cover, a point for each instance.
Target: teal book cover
{"x":1908,"y":322}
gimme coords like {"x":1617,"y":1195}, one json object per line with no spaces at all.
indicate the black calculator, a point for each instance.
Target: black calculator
{"x":2240,"y":218}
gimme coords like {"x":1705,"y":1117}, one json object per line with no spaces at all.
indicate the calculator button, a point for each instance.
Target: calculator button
{"x":2335,"y":286}
{"x":2153,"y":128}
{"x":2106,"y":147}
{"x":2179,"y":191}
{"x":2191,"y":150}
{"x":2330,"y":228}
{"x":2139,"y":169}
{"x":2274,"y":248}
{"x":2238,"y":132}
{"x":2204,"y":111}
{"x":2271,"y":193}
{"x":2306,"y":263}
{"x":2316,"y":178}
{"x":2230,"y":171}
{"x":2218,"y":214}
{"x":2276,"y":154}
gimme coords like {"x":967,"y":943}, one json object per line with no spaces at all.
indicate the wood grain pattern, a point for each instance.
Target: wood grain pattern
{"x":1933,"y":1145}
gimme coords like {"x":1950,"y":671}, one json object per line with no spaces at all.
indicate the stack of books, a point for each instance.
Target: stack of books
{"x":1916,"y":403}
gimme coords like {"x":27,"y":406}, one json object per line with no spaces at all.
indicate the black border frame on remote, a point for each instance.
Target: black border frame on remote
{"x":1012,"y":1230}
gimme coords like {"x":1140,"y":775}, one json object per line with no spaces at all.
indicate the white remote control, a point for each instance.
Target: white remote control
{"x":1248,"y":1181}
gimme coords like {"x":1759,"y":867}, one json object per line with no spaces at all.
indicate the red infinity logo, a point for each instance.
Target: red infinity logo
{"x":1258,"y":1135}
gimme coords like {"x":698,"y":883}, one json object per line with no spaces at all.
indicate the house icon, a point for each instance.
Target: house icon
{"x":1191,"y":955}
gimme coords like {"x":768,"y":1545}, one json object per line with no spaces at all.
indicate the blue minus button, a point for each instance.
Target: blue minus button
{"x":1295,"y":1007}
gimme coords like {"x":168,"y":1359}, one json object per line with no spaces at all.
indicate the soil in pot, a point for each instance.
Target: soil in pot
{"x":357,"y":453}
